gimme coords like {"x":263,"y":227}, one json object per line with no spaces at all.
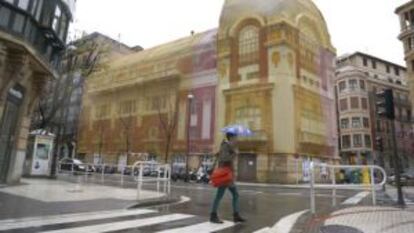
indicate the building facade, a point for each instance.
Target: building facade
{"x":359,"y":77}
{"x":406,"y":15}
{"x":269,"y":66}
{"x":61,"y":104}
{"x":139,"y":107}
{"x":32,"y":37}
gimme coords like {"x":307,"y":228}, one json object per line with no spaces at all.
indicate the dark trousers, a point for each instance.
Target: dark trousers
{"x":219,"y":195}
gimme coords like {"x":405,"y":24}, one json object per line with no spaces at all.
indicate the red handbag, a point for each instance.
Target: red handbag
{"x":222,"y":176}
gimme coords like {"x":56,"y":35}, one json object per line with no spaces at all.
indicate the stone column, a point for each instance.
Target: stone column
{"x":3,"y":55}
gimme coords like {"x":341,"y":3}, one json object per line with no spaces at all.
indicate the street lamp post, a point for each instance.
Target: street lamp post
{"x":190,"y":98}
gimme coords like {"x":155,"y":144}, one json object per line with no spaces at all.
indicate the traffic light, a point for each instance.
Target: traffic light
{"x":385,"y":104}
{"x":379,"y":144}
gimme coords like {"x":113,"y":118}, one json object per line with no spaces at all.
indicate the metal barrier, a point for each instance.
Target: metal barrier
{"x":373,"y":186}
{"x":163,"y":175}
{"x":137,"y":174}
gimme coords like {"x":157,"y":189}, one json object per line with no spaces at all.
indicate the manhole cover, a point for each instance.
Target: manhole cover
{"x":339,"y":229}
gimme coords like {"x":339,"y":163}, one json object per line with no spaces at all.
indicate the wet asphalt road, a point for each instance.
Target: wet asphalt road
{"x":262,"y":206}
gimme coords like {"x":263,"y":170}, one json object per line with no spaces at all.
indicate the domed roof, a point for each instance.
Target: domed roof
{"x":270,"y":11}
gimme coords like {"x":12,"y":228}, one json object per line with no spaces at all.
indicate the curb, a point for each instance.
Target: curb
{"x":159,"y":202}
{"x":292,"y":186}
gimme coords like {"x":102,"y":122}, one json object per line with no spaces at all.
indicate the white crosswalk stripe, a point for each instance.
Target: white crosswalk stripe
{"x":123,"y":225}
{"x":202,"y":227}
{"x":117,"y":220}
{"x":60,"y":219}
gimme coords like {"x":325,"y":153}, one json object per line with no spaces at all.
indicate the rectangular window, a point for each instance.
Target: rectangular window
{"x":56,"y":18}
{"x":346,"y":141}
{"x":388,"y":69}
{"x":356,"y":122}
{"x":23,"y":4}
{"x":353,"y":84}
{"x":364,"y":103}
{"x":374,"y":64}
{"x":5,"y":16}
{"x":343,"y":104}
{"x":365,"y":61}
{"x":18,"y":23}
{"x":354,"y":102}
{"x":342,"y":86}
{"x":362,"y":84}
{"x":409,"y":115}
{"x":357,"y":140}
{"x":206,"y":126}
{"x":397,"y":71}
{"x":368,"y":142}
{"x":366,"y":122}
{"x":345,"y":123}
{"x":379,"y":128}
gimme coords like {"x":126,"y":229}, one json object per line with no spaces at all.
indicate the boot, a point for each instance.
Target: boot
{"x":238,"y":218}
{"x":215,"y":219}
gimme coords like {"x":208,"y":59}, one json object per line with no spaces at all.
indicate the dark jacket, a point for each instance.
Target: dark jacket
{"x":227,"y":154}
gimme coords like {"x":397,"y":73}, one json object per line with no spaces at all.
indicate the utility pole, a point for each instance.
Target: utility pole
{"x":190,"y":98}
{"x":385,"y":109}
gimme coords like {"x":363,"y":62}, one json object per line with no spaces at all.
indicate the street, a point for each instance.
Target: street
{"x":262,"y":206}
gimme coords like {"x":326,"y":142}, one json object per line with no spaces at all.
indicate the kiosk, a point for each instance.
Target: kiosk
{"x":40,"y":153}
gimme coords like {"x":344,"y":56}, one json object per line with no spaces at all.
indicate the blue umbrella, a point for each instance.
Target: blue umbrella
{"x":238,"y":130}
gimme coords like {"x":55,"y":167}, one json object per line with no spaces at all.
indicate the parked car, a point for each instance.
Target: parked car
{"x":403,"y":179}
{"x":68,"y":164}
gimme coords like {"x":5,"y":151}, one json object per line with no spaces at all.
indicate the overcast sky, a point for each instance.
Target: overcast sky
{"x":355,"y":25}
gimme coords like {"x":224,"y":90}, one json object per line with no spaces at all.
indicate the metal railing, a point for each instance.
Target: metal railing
{"x":372,"y":185}
{"x":122,"y":175}
{"x":163,"y":172}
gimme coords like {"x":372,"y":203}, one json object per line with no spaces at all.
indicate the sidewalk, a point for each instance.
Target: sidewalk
{"x":408,"y":194}
{"x":368,"y":219}
{"x":46,"y":190}
{"x":37,"y":197}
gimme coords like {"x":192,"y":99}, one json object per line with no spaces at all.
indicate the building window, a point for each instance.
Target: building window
{"x":362,"y":84}
{"x":365,"y":61}
{"x":379,"y":126}
{"x":345,"y":123}
{"x":343,"y":104}
{"x":374,"y":64}
{"x":127,"y":107}
{"x":5,"y":16}
{"x":357,"y":139}
{"x":397,"y":71}
{"x":368,"y":142}
{"x":364,"y":103}
{"x":356,"y":122}
{"x":409,"y":115}
{"x":388,"y":69}
{"x":18,"y":23}
{"x":353,"y":84}
{"x":354,"y":102}
{"x":249,"y":45}
{"x":342,"y":86}
{"x":250,"y":117}
{"x":366,"y":122}
{"x":346,"y":141}
{"x":56,"y":18}
{"x":23,"y":4}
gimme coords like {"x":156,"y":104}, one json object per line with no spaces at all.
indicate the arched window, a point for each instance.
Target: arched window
{"x":249,"y":45}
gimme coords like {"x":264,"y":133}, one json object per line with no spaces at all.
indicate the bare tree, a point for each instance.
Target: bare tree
{"x":78,"y":64}
{"x":167,"y":108}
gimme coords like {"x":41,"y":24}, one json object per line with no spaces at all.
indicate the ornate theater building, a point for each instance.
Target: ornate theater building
{"x":270,"y":66}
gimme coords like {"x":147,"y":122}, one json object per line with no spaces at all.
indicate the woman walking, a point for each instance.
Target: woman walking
{"x":226,"y":156}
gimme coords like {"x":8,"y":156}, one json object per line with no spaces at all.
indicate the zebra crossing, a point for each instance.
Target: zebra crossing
{"x":136,"y":220}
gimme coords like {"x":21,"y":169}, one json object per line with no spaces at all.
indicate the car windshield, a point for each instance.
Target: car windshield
{"x":76,"y":161}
